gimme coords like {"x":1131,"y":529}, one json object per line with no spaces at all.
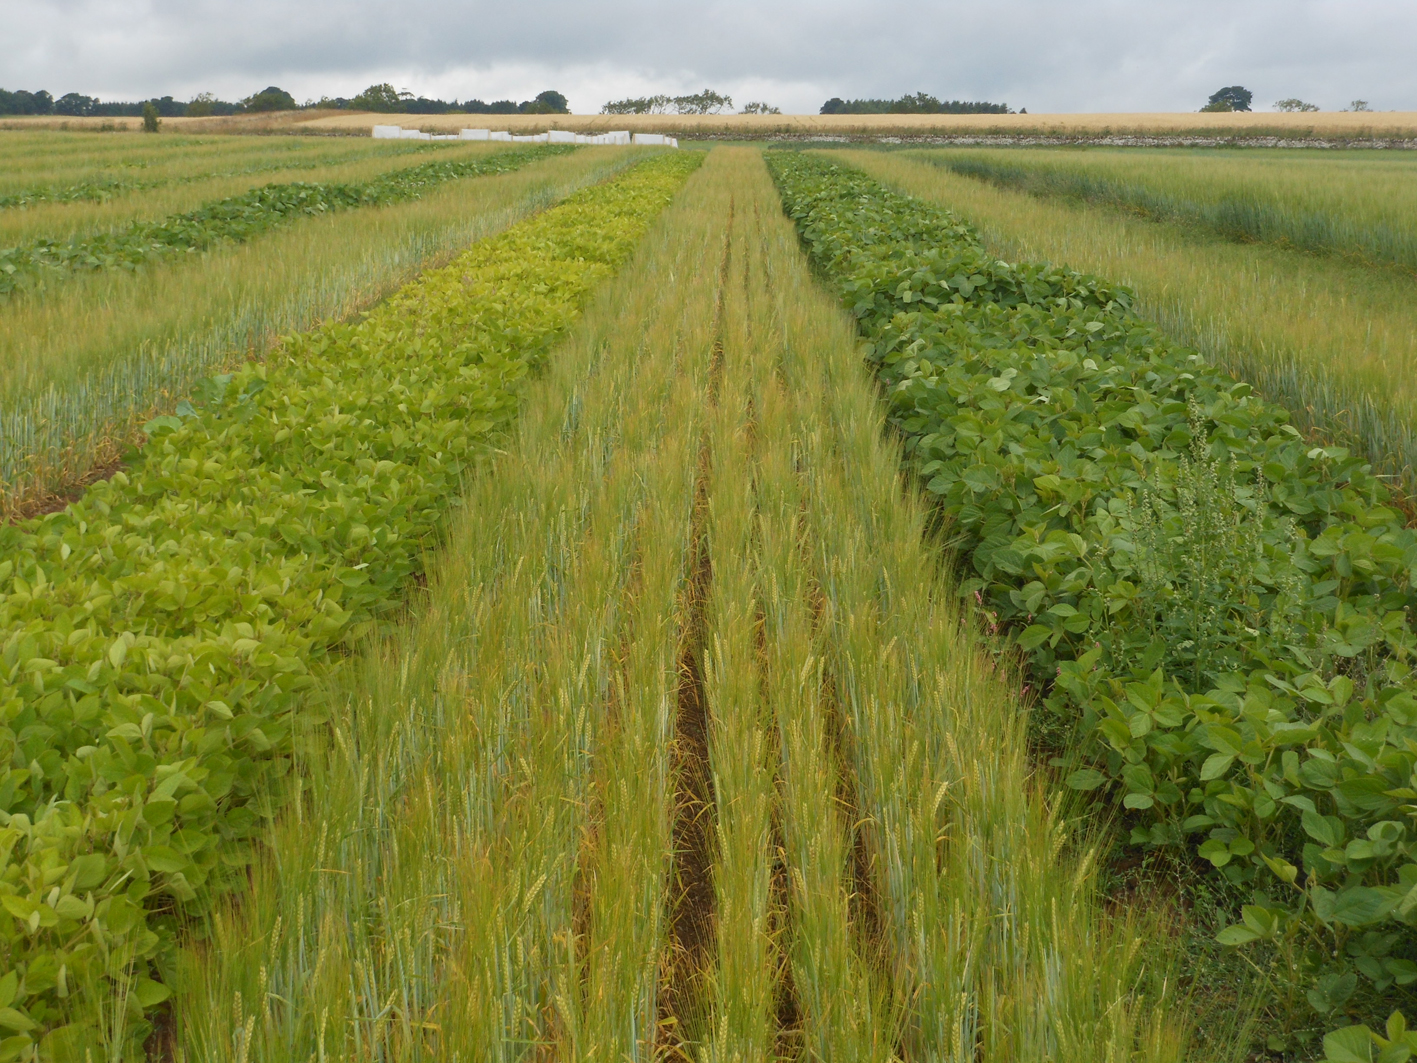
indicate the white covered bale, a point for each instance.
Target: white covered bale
{"x":499,"y":134}
{"x":647,"y":139}
{"x":560,"y":136}
{"x":473,"y":134}
{"x":445,"y":136}
{"x":414,"y":134}
{"x":387,"y":132}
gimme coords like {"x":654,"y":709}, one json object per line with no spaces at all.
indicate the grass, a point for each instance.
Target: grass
{"x":491,"y":865}
{"x":1357,"y":204}
{"x":85,"y":366}
{"x":1334,"y":342}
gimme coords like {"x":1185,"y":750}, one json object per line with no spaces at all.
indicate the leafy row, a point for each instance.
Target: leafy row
{"x":157,"y":638}
{"x":239,"y":218}
{"x":1222,"y":607}
{"x":101,"y":189}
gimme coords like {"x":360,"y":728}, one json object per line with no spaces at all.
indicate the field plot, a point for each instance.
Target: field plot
{"x":188,"y":604}
{"x":1219,"y":608}
{"x":87,"y":360}
{"x":1357,"y":204}
{"x":690,"y":751}
{"x":1330,"y":338}
{"x":96,"y":184}
{"x":581,"y":655}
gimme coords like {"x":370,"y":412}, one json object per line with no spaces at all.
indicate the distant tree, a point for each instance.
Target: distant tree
{"x":706,"y":102}
{"x":1293,"y":104}
{"x":71,"y":103}
{"x":1236,"y":96}
{"x":759,"y":108}
{"x":1359,"y":105}
{"x":548,"y":102}
{"x":639,"y":105}
{"x":22,"y":102}
{"x":382,"y":98}
{"x":920,"y":103}
{"x":201,"y":105}
{"x":151,"y":122}
{"x":270,"y":98}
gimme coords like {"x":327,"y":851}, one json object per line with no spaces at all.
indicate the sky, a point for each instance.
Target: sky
{"x":1050,"y":57}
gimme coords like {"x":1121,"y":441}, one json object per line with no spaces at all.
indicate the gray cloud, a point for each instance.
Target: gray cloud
{"x":1091,"y":55}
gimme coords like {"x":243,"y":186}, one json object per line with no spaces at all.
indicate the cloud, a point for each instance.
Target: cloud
{"x":1091,"y":55}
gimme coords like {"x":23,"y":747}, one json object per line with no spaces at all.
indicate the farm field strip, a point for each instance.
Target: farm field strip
{"x":239,"y":218}
{"x":63,"y":221}
{"x":324,"y":474}
{"x":1363,"y":207}
{"x":88,"y":365}
{"x":99,"y":184}
{"x":58,"y":159}
{"x":1334,"y":342}
{"x":510,"y":690}
{"x":1192,"y":580}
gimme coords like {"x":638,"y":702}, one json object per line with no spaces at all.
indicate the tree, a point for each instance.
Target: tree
{"x":1293,"y":104}
{"x":639,"y":105}
{"x":1236,"y":96}
{"x":706,"y":102}
{"x":201,"y":105}
{"x":270,"y":98}
{"x":548,"y":102}
{"x":759,"y":108}
{"x":1359,"y":105}
{"x":71,"y":103}
{"x":151,"y":122}
{"x":382,"y":98}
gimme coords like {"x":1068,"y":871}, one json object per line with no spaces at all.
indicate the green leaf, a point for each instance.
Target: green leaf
{"x":1236,"y":935}
{"x":1351,"y":1044}
{"x":1086,"y":779}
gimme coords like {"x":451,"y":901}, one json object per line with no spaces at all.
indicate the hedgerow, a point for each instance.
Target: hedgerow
{"x":1220,"y":606}
{"x":157,"y":637}
{"x":239,"y":218}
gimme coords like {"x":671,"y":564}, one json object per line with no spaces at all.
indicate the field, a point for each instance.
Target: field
{"x":1333,"y":125}
{"x":618,"y":603}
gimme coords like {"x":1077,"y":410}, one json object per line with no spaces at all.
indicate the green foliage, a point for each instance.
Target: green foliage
{"x":271,"y":98}
{"x":1293,"y":104}
{"x":381,"y":98}
{"x":151,"y":122}
{"x":920,"y":103}
{"x":157,"y":637}
{"x":706,"y":102}
{"x":242,"y":217}
{"x":1230,"y":98}
{"x":548,"y":102}
{"x":1221,"y":608}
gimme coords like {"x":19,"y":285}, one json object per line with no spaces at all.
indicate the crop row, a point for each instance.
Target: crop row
{"x":239,"y":218}
{"x":158,"y":635}
{"x":1316,"y":208}
{"x":101,"y":189}
{"x":1219,"y":605}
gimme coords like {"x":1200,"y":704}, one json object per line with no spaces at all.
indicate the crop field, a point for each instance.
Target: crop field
{"x":609,"y":604}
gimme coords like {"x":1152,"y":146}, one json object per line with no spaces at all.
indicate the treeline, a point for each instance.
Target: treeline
{"x":920,"y":103}
{"x":381,"y":98}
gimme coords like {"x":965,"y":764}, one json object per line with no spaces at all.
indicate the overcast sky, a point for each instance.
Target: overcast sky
{"x":1084,"y":55}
